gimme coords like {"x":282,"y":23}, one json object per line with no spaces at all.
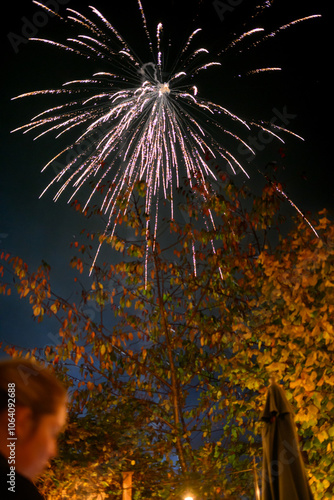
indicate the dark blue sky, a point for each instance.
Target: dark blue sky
{"x":39,"y":229}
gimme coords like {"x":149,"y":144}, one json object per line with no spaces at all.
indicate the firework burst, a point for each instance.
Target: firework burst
{"x":140,"y":121}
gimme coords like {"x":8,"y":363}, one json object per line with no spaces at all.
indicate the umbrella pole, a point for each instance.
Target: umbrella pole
{"x":256,"y":481}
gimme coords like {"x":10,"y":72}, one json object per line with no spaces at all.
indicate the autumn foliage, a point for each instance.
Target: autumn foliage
{"x":169,"y":351}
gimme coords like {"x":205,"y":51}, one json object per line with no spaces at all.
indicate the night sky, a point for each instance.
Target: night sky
{"x":39,"y":229}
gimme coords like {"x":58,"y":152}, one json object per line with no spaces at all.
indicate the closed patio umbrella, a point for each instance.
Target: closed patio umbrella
{"x":283,"y":472}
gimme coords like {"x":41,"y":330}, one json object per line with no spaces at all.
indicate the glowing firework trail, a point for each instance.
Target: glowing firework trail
{"x":145,"y":123}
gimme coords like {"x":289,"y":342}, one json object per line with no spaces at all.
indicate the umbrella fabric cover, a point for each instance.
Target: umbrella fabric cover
{"x":284,"y":475}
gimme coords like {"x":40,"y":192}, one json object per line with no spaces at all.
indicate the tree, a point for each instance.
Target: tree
{"x":291,"y":335}
{"x":97,"y":447}
{"x":188,"y":328}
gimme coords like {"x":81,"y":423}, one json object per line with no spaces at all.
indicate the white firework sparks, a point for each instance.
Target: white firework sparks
{"x":140,"y":122}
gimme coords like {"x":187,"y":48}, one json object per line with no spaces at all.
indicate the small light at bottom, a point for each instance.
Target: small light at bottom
{"x":189,"y":498}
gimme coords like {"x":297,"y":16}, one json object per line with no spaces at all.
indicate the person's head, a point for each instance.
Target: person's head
{"x":33,"y":405}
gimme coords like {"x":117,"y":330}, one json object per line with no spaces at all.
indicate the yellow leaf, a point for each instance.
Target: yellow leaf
{"x":309,"y":385}
{"x":322,"y":436}
{"x":331,"y":431}
{"x":311,"y":358}
{"x":313,"y":410}
{"x":329,"y":407}
{"x":37,"y":311}
{"x":54,"y":308}
{"x":326,"y":483}
{"x":276,"y":367}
